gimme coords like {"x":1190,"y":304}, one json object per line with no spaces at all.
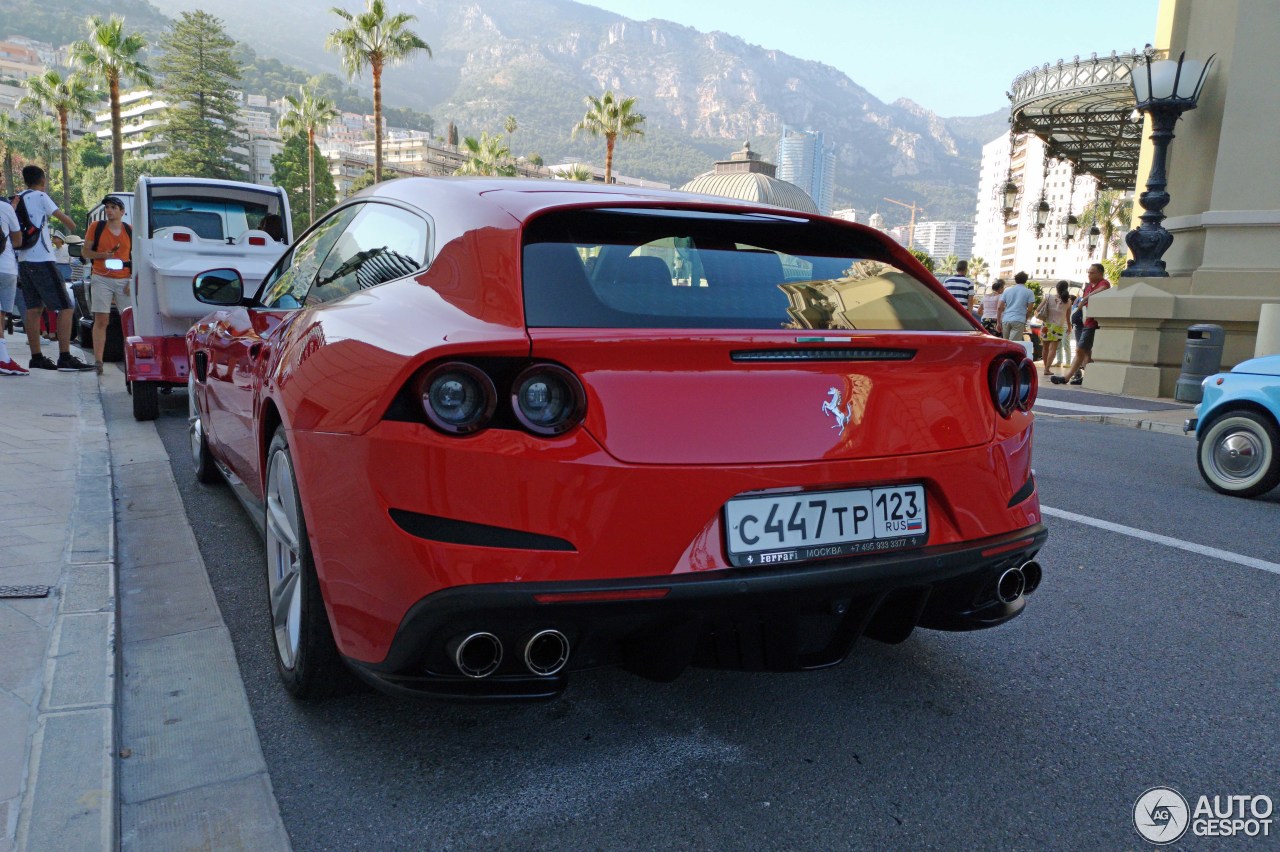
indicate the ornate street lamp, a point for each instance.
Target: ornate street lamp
{"x":1069,"y":229}
{"x":1010,"y":194}
{"x":1094,"y":236}
{"x":1042,"y":215}
{"x":1165,"y":90}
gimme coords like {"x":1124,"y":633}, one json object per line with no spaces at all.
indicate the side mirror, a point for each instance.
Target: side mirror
{"x":221,"y":287}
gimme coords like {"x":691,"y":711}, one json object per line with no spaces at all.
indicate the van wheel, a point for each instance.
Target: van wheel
{"x":146,"y":400}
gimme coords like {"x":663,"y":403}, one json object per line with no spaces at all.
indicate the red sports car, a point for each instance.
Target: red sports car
{"x":500,"y":430}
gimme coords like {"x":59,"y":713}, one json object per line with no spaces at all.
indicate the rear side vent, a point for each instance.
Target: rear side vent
{"x":826,"y":354}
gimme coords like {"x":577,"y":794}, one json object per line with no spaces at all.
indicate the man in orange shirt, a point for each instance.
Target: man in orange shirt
{"x":109,"y":244}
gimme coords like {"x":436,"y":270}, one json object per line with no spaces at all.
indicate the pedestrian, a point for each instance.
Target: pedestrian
{"x":1054,"y":311}
{"x":1067,"y":350}
{"x":959,"y":285}
{"x":10,"y":238}
{"x":42,"y":285}
{"x":991,"y":308}
{"x":109,"y":245}
{"x":1084,"y":349}
{"x":62,"y":255}
{"x":1016,"y":304}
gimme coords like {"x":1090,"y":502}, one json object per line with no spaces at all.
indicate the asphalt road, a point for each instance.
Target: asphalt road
{"x":1136,"y":664}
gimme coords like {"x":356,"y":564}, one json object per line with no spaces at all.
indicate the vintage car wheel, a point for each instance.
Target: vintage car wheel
{"x":1237,"y":454}
{"x":306,"y":656}
{"x":206,"y":470}
{"x":146,"y":400}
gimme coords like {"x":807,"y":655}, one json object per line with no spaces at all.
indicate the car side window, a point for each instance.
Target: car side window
{"x":288,"y":284}
{"x":382,"y":243}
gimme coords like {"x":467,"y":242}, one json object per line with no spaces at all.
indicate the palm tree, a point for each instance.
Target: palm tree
{"x":66,"y":97}
{"x":509,"y":125}
{"x":305,"y":114}
{"x":577,"y":172}
{"x":486,"y":156}
{"x":977,"y":268}
{"x":38,"y":140}
{"x":372,"y":39}
{"x":9,"y":132}
{"x":1109,"y":210}
{"x":113,"y":56}
{"x":613,"y":119}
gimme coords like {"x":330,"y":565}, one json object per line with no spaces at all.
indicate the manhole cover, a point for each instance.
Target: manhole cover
{"x":24,"y":591}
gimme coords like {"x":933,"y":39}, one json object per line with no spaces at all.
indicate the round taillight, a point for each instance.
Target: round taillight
{"x":548,"y":400}
{"x":1004,"y":385}
{"x":458,"y":398}
{"x":1027,"y":384}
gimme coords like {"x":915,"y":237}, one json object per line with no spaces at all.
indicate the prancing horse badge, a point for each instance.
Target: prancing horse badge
{"x":832,"y":407}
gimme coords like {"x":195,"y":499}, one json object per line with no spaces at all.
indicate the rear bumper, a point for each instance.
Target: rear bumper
{"x":783,"y":619}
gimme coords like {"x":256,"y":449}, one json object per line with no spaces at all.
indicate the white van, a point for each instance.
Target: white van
{"x":183,"y":226}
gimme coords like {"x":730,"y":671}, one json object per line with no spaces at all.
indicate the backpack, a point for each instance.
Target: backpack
{"x":97,"y":235}
{"x":30,"y":231}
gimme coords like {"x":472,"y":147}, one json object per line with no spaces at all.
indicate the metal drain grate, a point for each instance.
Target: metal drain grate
{"x":24,"y":591}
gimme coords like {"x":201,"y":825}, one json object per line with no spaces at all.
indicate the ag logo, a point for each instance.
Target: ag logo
{"x":1160,"y":815}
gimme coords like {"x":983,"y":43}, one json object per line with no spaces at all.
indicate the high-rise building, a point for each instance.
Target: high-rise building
{"x":851,"y":214}
{"x":805,"y":161}
{"x":1013,"y":246}
{"x":940,"y":239}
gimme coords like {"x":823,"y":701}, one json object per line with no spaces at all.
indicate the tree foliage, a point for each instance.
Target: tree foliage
{"x":307,"y":114}
{"x":67,"y":98}
{"x":614,"y":119}
{"x":373,"y":39}
{"x":487,"y":155}
{"x":200,"y":72}
{"x":923,"y":256}
{"x":113,"y":56}
{"x":290,"y":173}
{"x":1110,"y":211}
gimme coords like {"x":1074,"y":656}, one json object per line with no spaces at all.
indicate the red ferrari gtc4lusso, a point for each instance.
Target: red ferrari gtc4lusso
{"x":496,"y":431}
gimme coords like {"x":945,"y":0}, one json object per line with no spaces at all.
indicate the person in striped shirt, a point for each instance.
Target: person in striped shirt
{"x":960,"y":287}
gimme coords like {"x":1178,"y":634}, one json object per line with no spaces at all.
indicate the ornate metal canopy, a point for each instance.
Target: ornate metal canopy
{"x":1083,"y":110}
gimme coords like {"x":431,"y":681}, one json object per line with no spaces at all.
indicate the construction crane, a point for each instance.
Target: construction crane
{"x":911,"y":229}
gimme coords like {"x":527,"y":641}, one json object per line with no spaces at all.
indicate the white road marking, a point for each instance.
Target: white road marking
{"x":1192,"y":547}
{"x":1079,"y":408}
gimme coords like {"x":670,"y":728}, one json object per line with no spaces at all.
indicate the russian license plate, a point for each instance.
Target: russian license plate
{"x":822,"y":524}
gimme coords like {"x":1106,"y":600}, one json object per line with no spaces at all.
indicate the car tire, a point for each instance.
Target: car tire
{"x":307,"y":657}
{"x":86,"y":334}
{"x":206,"y":470}
{"x":1239,"y":454}
{"x":146,"y":400}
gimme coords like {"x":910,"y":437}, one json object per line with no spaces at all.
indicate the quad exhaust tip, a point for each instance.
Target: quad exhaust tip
{"x":476,"y":654}
{"x":546,"y":652}
{"x":1011,"y":585}
{"x":1031,"y":573}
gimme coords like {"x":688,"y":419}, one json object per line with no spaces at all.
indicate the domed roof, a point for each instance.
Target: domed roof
{"x":752,"y":186}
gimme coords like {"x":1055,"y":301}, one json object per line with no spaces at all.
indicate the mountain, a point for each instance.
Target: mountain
{"x":702,"y":93}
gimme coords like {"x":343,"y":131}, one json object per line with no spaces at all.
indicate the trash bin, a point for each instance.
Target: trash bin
{"x":1203,"y":358}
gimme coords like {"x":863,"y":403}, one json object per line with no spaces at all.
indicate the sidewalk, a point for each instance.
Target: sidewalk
{"x":123,"y":719}
{"x":57,"y":614}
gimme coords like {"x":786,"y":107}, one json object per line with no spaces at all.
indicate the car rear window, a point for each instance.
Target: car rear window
{"x":647,"y":268}
{"x":210,"y":218}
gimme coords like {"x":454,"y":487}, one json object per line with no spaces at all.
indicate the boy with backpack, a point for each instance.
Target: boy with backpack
{"x":38,"y":276}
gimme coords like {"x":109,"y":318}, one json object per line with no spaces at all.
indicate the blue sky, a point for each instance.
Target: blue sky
{"x":953,"y":57}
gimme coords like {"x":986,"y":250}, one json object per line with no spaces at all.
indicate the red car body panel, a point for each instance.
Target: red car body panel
{"x":152,"y":359}
{"x":673,"y":427}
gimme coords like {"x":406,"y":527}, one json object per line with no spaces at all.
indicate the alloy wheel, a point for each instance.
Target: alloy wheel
{"x":284,"y":558}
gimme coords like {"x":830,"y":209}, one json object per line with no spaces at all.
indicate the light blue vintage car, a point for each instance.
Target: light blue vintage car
{"x":1237,"y":426}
